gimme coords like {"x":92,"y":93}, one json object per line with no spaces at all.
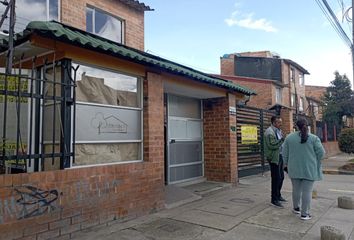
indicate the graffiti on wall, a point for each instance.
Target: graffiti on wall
{"x":29,"y":201}
{"x":35,"y":201}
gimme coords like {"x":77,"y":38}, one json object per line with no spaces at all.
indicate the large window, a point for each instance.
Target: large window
{"x":33,"y":10}
{"x":104,"y":25}
{"x":108,"y":117}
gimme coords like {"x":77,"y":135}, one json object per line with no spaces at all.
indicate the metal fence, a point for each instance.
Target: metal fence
{"x":251,"y":155}
{"x":37,"y":105}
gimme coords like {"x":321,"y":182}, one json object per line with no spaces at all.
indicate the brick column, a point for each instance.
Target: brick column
{"x":154,"y":130}
{"x":220,"y":146}
{"x":288,"y":123}
{"x":153,"y":119}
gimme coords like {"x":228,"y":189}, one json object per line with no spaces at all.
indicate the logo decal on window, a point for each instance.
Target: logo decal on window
{"x":108,"y":124}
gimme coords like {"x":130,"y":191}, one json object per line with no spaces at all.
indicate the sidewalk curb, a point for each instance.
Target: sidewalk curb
{"x":337,"y":172}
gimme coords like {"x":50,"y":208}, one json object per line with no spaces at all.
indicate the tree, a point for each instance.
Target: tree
{"x":338,"y":100}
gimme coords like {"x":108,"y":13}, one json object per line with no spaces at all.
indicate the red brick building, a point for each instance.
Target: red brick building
{"x":277,"y":81}
{"x":95,"y":129}
{"x":314,"y":95}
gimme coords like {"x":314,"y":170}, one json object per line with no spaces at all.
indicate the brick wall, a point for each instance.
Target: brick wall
{"x":219,"y":140}
{"x":264,"y":98}
{"x":227,"y":65}
{"x":74,"y":13}
{"x":331,"y":148}
{"x":79,"y":198}
{"x":315,"y":92}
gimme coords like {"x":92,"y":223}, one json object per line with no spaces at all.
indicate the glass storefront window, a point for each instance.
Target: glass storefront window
{"x":108,"y":117}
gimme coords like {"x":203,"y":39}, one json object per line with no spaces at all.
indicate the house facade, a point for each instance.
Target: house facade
{"x":279,"y":82}
{"x":314,"y":95}
{"x":95,"y":129}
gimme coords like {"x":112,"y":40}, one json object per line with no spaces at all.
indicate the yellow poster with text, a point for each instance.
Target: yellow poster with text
{"x":249,"y":134}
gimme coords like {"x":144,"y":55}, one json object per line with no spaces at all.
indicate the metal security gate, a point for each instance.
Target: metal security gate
{"x":36,"y":107}
{"x":250,"y":152}
{"x":184,"y":139}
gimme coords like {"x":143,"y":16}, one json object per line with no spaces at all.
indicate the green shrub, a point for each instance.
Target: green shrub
{"x":346,"y":140}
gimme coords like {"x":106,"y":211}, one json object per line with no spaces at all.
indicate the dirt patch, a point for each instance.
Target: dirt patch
{"x":348,"y":167}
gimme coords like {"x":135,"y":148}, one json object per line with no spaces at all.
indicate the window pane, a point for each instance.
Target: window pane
{"x":107,"y":26}
{"x":53,"y":10}
{"x":101,"y":123}
{"x":86,"y":154}
{"x":89,"y":20}
{"x":106,"y":87}
{"x":278,"y":96}
{"x":29,"y":10}
{"x":33,"y":10}
{"x":112,"y":30}
{"x":184,"y":107}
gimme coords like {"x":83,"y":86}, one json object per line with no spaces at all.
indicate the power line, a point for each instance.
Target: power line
{"x":327,"y":11}
{"x":336,"y":21}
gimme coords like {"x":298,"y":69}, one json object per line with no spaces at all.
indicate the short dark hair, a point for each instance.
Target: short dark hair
{"x":274,"y":118}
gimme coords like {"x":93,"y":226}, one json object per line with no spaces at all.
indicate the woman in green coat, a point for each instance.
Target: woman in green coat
{"x":302,"y":154}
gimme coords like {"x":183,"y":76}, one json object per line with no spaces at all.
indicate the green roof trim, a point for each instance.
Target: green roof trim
{"x":71,"y":35}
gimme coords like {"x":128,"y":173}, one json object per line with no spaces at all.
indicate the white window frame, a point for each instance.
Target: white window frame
{"x":301,"y":104}
{"x":292,"y":100}
{"x":140,"y":107}
{"x":302,"y":79}
{"x":94,"y":9}
{"x":278,"y":95}
{"x":292,"y":74}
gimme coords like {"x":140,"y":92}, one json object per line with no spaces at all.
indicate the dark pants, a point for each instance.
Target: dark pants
{"x":277,"y":173}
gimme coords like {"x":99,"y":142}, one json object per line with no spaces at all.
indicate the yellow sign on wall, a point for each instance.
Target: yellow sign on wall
{"x":13,"y":84}
{"x":249,"y":134}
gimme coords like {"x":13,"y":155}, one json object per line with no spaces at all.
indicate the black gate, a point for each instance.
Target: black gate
{"x":251,"y":124}
{"x":36,"y":112}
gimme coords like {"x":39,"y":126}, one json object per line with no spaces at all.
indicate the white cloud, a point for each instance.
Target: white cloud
{"x":247,"y":21}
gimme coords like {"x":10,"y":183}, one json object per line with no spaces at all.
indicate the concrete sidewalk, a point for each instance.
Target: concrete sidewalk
{"x":241,"y":212}
{"x":332,"y":165}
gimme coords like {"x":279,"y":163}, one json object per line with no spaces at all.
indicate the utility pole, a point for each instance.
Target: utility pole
{"x":352,"y":47}
{"x":11,"y":37}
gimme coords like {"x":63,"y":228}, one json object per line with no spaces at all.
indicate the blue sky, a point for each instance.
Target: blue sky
{"x":196,"y":33}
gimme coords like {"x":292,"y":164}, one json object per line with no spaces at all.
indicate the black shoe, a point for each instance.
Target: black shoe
{"x":277,"y":204}
{"x":281,"y":199}
{"x":296,"y":210}
{"x":306,"y":217}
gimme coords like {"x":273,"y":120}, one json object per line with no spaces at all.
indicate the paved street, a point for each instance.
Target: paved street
{"x":241,"y":212}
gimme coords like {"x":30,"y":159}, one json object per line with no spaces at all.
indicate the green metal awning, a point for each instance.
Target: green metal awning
{"x":61,"y":32}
